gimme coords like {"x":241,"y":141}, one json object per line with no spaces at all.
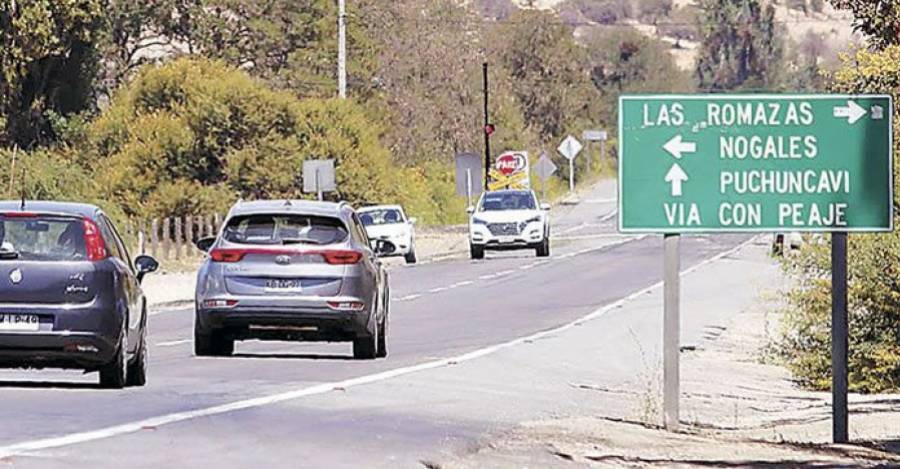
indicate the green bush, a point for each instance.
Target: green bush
{"x":194,"y":135}
{"x":874,"y":312}
{"x":874,"y":273}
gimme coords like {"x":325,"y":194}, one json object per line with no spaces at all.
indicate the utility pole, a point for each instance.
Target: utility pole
{"x":342,"y":49}
{"x":488,"y":130}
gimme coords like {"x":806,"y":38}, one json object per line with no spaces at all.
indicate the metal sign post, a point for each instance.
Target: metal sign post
{"x":671,"y":330}
{"x":756,"y":163}
{"x":570,"y":147}
{"x":468,"y":187}
{"x":839,"y":337}
{"x":595,"y":136}
{"x":318,"y":177}
{"x":468,"y":166}
{"x":544,"y":169}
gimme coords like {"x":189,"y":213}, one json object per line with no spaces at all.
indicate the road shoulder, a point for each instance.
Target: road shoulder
{"x":738,"y":407}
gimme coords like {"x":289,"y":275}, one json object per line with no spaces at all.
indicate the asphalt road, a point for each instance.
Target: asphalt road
{"x":440,"y":310}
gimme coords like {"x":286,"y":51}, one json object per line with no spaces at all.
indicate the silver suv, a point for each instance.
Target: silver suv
{"x":292,"y":270}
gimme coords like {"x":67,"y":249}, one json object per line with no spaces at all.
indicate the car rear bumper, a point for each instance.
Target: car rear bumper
{"x":64,"y":349}
{"x":302,"y":321}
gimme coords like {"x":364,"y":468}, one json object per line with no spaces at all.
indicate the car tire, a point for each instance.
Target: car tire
{"x":477,"y":252}
{"x":410,"y":257}
{"x":137,"y":369}
{"x":212,"y":344}
{"x":543,"y":249}
{"x":366,"y":348}
{"x":114,"y":374}
{"x":382,"y":339}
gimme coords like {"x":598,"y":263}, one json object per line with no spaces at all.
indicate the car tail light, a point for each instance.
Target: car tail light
{"x":219,"y":303}
{"x":93,"y":241}
{"x":347,"y":305}
{"x":341,"y":257}
{"x":227,"y":255}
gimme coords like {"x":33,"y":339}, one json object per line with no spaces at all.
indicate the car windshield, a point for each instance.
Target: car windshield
{"x":507,"y":201}
{"x":41,"y":238}
{"x":284,"y":229}
{"x":386,"y":216}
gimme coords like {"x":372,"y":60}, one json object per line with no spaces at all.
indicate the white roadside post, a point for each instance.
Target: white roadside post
{"x":570,"y":147}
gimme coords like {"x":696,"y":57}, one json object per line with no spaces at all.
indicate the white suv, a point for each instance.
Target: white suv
{"x":509,"y":219}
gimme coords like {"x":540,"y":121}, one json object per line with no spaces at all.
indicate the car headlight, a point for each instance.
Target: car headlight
{"x":478,"y":221}
{"x":525,"y":223}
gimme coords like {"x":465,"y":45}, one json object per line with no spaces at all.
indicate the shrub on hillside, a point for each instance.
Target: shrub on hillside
{"x":874,"y":273}
{"x":194,"y":135}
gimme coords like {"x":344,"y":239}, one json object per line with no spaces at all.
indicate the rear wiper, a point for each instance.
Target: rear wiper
{"x":8,"y":255}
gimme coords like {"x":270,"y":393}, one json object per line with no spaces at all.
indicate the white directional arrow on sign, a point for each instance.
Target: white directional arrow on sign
{"x":676,"y":147}
{"x":676,"y":176}
{"x":852,"y":111}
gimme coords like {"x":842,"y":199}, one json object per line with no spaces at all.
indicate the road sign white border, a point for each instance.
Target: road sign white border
{"x":743,"y":97}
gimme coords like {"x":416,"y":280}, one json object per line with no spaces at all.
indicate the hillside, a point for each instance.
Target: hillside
{"x":827,"y":32}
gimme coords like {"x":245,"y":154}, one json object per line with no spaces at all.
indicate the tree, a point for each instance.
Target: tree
{"x":879,"y":20}
{"x":741,"y":46}
{"x":47,"y":65}
{"x":873,"y":276}
{"x":547,"y":72}
{"x":192,"y":135}
{"x":625,"y":61}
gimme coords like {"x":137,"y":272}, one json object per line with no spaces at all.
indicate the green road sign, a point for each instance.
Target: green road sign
{"x":734,"y":163}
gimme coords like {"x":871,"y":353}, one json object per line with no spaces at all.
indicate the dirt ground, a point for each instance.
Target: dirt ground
{"x":738,"y":409}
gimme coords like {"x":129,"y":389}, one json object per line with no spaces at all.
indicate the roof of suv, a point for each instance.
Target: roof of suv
{"x":305,"y":207}
{"x":49,"y":206}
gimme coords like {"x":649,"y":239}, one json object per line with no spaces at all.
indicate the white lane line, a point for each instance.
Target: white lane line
{"x":408,"y":297}
{"x":609,"y":216}
{"x":486,"y":277}
{"x":461,"y":284}
{"x":155,"y":312}
{"x":574,"y":228}
{"x":173,"y":343}
{"x":324,"y":388}
{"x":438,"y":289}
{"x":599,"y":201}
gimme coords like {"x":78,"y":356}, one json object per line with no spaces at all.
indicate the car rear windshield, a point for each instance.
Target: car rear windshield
{"x":41,"y":238}
{"x":284,"y":229}
{"x":507,"y":201}
{"x":387,"y":216}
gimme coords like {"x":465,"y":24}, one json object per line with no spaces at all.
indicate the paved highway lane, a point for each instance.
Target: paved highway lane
{"x":440,"y":310}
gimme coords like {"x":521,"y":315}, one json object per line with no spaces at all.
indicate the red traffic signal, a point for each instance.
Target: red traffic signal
{"x":489,"y":129}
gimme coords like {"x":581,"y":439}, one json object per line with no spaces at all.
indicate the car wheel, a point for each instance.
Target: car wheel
{"x":411,"y":256}
{"x":366,"y":348}
{"x":113,"y":374}
{"x":382,"y":339}
{"x":543,"y":250}
{"x":477,"y":252}
{"x":137,"y":369}
{"x":212,"y":344}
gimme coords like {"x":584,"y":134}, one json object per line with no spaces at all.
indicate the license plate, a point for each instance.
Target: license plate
{"x":276,"y":284}
{"x":506,"y":239}
{"x":19,"y":322}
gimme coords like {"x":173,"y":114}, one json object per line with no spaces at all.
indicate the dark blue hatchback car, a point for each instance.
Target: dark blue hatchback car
{"x":70,"y":295}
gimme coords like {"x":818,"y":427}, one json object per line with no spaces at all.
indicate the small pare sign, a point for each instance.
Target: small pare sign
{"x":510,"y":171}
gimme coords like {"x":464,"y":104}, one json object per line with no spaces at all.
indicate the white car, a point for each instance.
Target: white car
{"x":390,"y":223}
{"x":509,"y":219}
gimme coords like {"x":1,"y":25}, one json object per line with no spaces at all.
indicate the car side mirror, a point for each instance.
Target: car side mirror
{"x":204,"y":244}
{"x":470,"y":210}
{"x":545,"y":206}
{"x":145,"y":265}
{"x":413,"y":220}
{"x":383,"y":247}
